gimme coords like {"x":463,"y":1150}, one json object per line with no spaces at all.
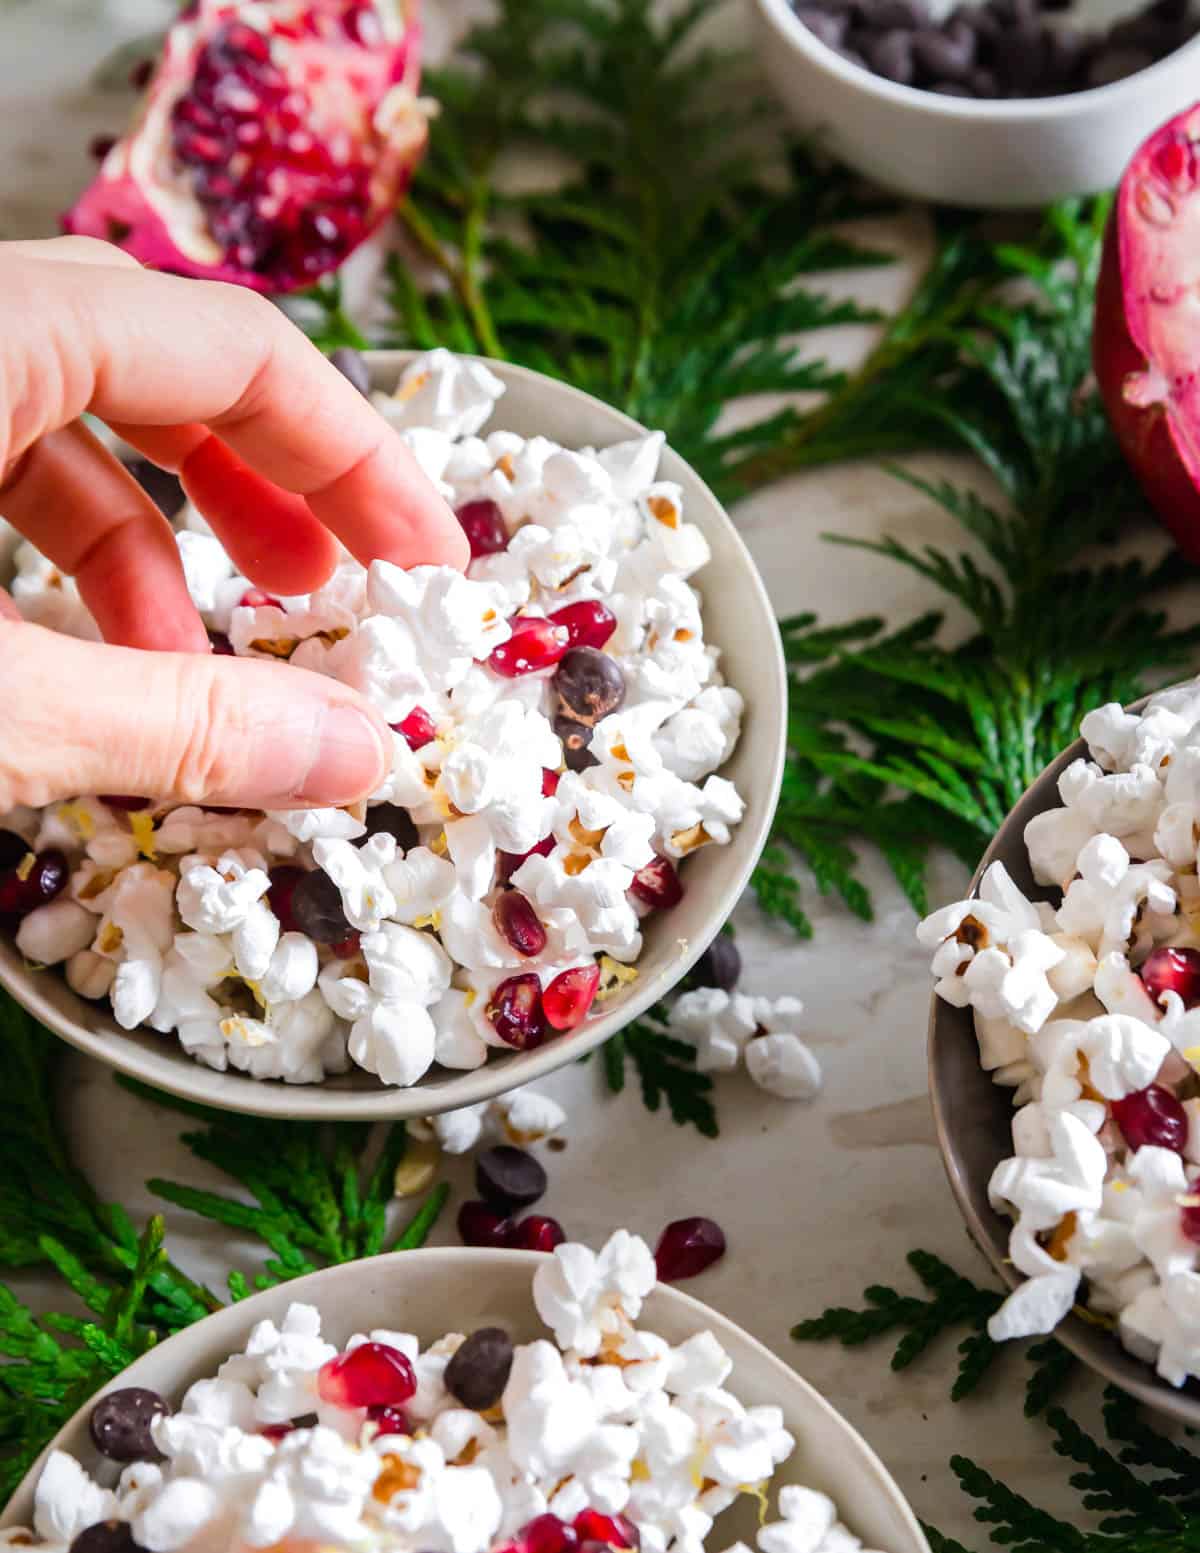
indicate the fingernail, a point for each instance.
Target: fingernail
{"x":350,"y":758}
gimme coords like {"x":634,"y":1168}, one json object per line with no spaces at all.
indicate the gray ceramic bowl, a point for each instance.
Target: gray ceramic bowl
{"x":738,"y":618}
{"x":430,"y":1292}
{"x":973,"y":1117}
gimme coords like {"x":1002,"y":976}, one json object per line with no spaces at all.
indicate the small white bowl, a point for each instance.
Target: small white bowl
{"x":432,"y":1292}
{"x":959,"y":151}
{"x":738,"y":618}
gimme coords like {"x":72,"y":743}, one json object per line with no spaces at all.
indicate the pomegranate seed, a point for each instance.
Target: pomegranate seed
{"x":567,"y":999}
{"x":537,"y":1232}
{"x":687,"y":1247}
{"x":140,"y":75}
{"x":550,"y":781}
{"x":657,"y":884}
{"x":1152,"y":1116}
{"x":507,"y":863}
{"x":479,"y":1225}
{"x":255,"y":598}
{"x":518,"y":924}
{"x":391,"y":1420}
{"x":348,"y":947}
{"x":124,"y":801}
{"x":515,"y":1011}
{"x":371,"y":1375}
{"x":276,"y":1432}
{"x":535,"y":644}
{"x":46,"y":879}
{"x":221,"y":645}
{"x":1172,"y":970}
{"x":417,"y":729}
{"x":100,"y":145}
{"x":547,"y":1534}
{"x":618,"y":1531}
{"x":590,"y":622}
{"x":1189,"y":1222}
{"x":483,"y":524}
{"x":13,"y":849}
{"x":284,"y":880}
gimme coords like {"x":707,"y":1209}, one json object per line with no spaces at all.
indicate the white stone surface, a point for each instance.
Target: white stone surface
{"x":817,"y":1200}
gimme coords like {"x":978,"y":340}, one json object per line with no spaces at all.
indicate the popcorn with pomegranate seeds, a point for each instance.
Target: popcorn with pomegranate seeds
{"x":1104,"y":1182}
{"x":460,"y":1446}
{"x":559,"y":727}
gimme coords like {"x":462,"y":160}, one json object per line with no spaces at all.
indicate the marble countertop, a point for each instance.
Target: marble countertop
{"x":817,"y":1200}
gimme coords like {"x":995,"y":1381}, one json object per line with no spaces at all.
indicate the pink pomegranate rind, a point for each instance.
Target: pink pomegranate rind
{"x":272,"y":140}
{"x":1146,"y":340}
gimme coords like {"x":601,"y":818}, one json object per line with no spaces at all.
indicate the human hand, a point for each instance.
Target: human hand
{"x":282,"y":455}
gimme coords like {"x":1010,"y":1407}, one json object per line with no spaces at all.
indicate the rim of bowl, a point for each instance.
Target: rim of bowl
{"x":1098,"y":1348}
{"x":182,"y":1076}
{"x":476,"y":1263}
{"x":998,"y":110}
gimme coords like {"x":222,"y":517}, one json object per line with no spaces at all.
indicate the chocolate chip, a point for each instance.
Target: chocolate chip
{"x":720,"y":965}
{"x":478,"y":1373}
{"x":908,"y":14}
{"x":825,"y":25}
{"x":1114,"y":64}
{"x":575,"y":737}
{"x":352,"y":367}
{"x":983,"y":84}
{"x":1019,"y":57}
{"x":946,"y":56}
{"x":120,"y":1424}
{"x":891,"y":56}
{"x":106,"y":1537}
{"x":160,"y":485}
{"x":509,"y":1178}
{"x":391,"y":820}
{"x":589,"y":684}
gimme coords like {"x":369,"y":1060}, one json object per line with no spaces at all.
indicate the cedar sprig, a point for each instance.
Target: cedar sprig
{"x":665,"y":1069}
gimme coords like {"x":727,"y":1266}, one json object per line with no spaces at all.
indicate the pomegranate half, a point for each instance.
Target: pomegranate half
{"x":1146,"y":338}
{"x":272,"y":139}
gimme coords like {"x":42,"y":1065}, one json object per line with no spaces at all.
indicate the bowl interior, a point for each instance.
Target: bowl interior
{"x":428,"y":1292}
{"x":738,"y":617}
{"x":973,"y":1117}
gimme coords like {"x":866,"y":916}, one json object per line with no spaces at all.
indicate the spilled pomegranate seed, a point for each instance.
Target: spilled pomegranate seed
{"x":1172,"y":970}
{"x":687,"y":1247}
{"x":535,"y":644}
{"x":590,"y":622}
{"x":618,"y":1531}
{"x":658,"y":884}
{"x":1152,"y":1116}
{"x":567,"y":999}
{"x":371,"y":1375}
{"x":518,"y":923}
{"x":507,"y":863}
{"x":284,"y":880}
{"x":480,"y":1225}
{"x":538,"y":1232}
{"x":483,"y":524}
{"x":515,"y":1011}
{"x":418,"y":729}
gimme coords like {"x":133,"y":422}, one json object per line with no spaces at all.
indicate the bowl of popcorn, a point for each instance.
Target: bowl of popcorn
{"x":571,"y":1407}
{"x":1065,"y":1049}
{"x":981,"y":103}
{"x":589,"y":734}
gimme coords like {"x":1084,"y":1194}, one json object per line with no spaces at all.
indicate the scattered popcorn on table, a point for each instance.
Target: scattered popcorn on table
{"x":1088,"y":1008}
{"x":605,"y":1436}
{"x":559,"y":721}
{"x":729,"y":1027}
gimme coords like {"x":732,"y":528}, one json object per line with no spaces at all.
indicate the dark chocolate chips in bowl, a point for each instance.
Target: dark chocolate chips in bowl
{"x":998,"y":49}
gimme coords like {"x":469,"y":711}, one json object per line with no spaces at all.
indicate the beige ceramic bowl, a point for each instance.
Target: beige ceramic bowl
{"x":974,"y":1120}
{"x":738,"y":618}
{"x":953,"y":150}
{"x":430,"y":1292}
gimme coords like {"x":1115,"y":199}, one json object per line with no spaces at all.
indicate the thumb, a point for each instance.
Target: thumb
{"x":83,"y":717}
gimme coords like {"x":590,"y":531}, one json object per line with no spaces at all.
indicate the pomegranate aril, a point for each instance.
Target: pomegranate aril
{"x":1189,"y":1221}
{"x":221,"y":645}
{"x":371,"y":1375}
{"x":538,"y":1232}
{"x":418,"y":729}
{"x":1152,"y":1117}
{"x":481,"y":1225}
{"x":390,"y":1420}
{"x":519,"y":924}
{"x":566,"y":1001}
{"x":276,"y":1432}
{"x":507,"y":863}
{"x":658,"y":884}
{"x":1172,"y":970}
{"x":618,"y":1531}
{"x":483,"y":524}
{"x":46,"y":878}
{"x":550,"y":781}
{"x":535,"y":644}
{"x":515,"y":1010}
{"x":255,"y":598}
{"x":346,"y":948}
{"x":284,"y":880}
{"x":125,"y":801}
{"x":589,"y":622}
{"x":100,"y":145}
{"x":547,"y":1534}
{"x":139,"y":76}
{"x":687,"y":1247}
